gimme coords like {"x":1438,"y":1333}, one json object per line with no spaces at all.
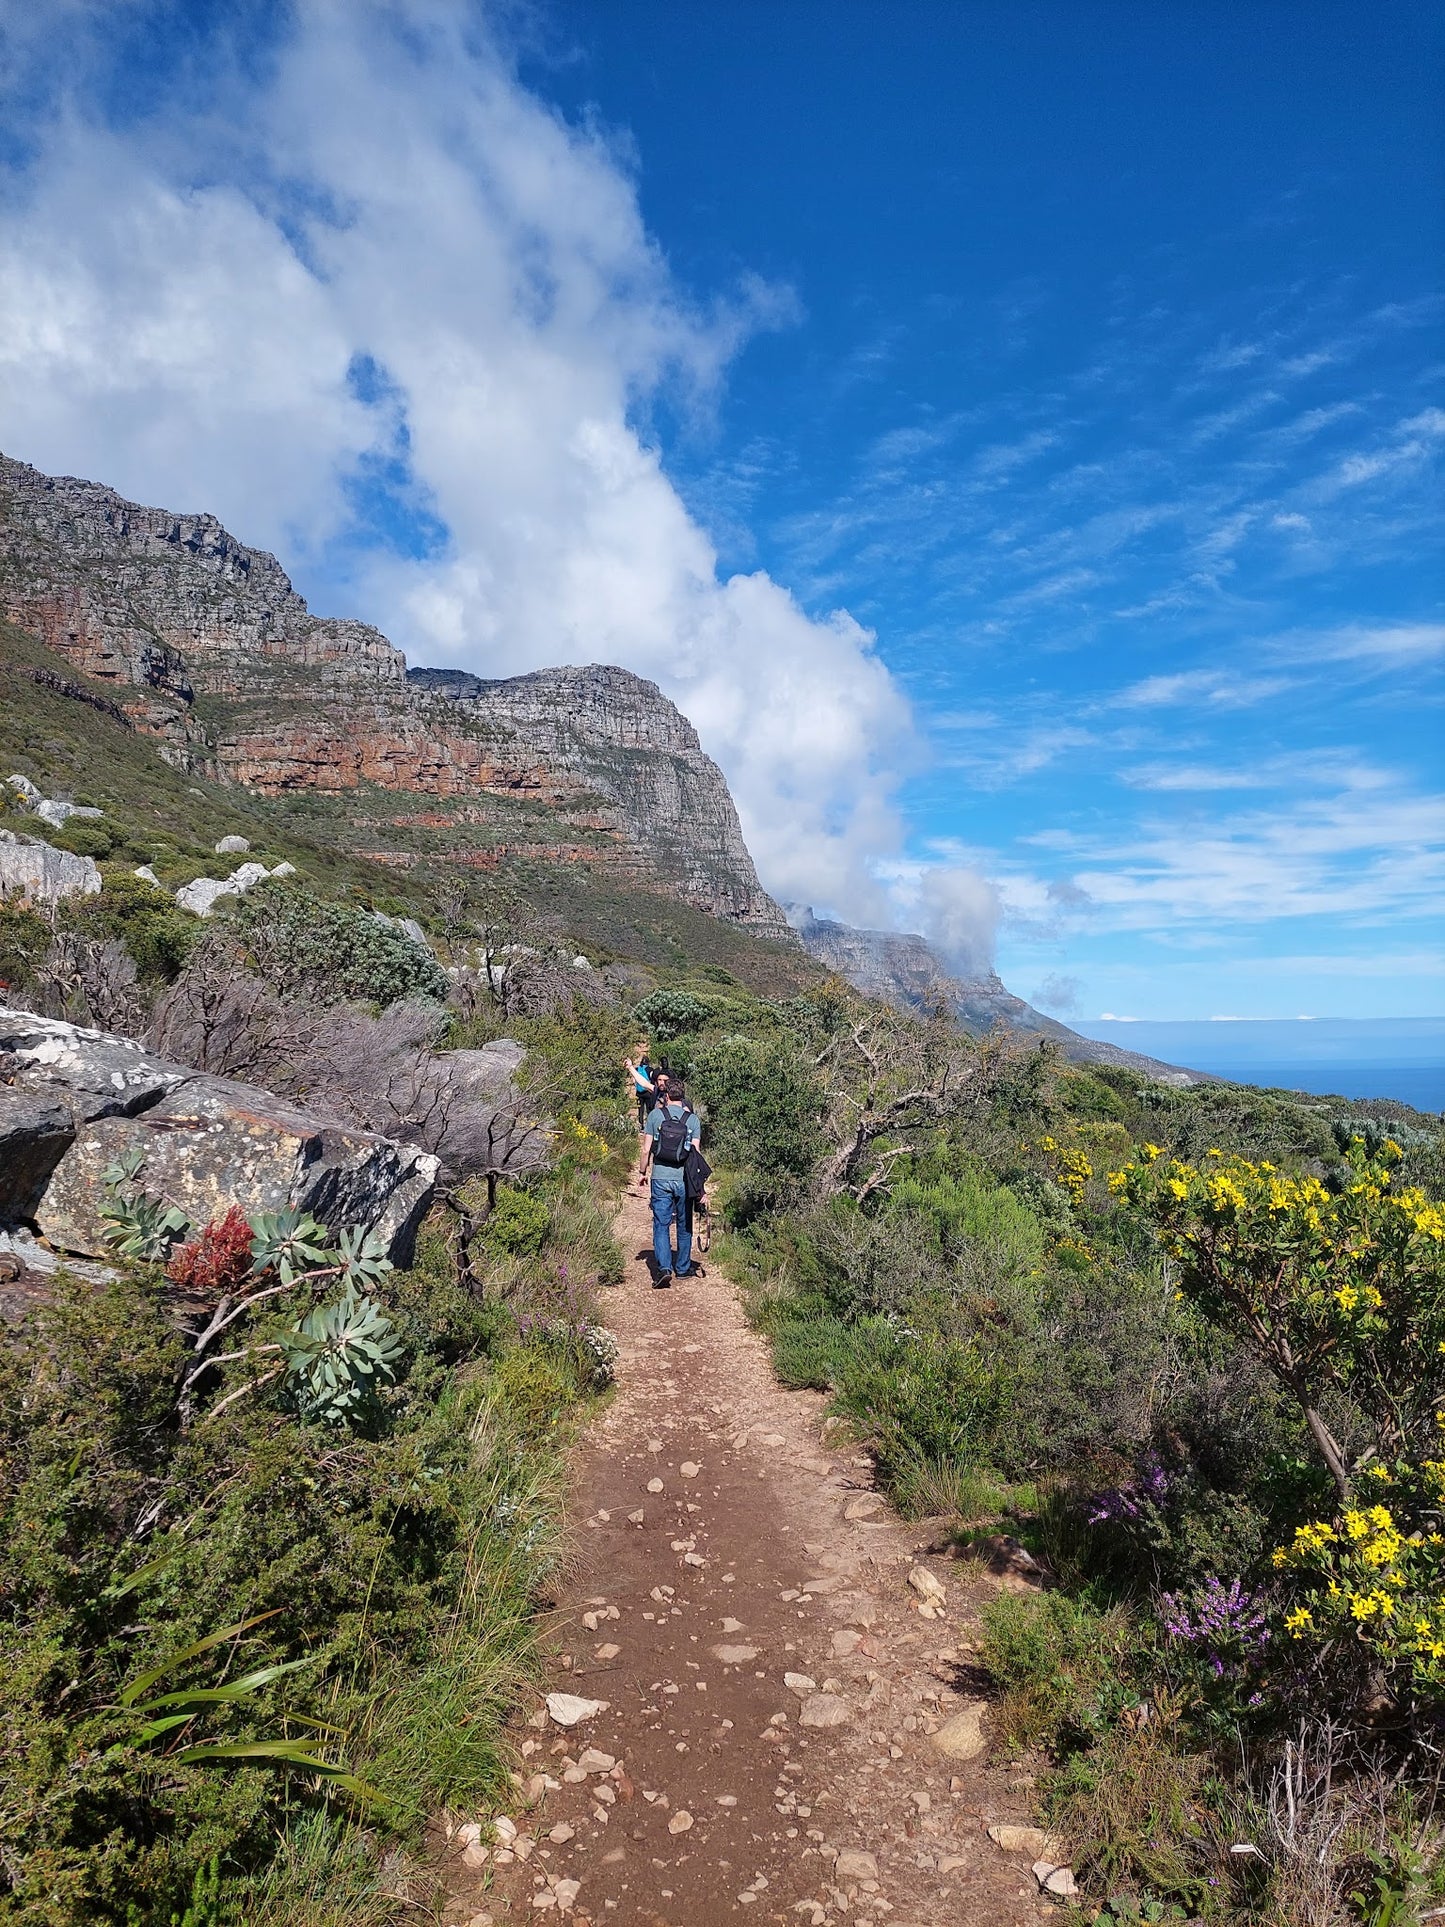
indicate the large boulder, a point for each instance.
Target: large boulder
{"x":40,"y":873}
{"x":35,"y":1134}
{"x":207,"y":1143}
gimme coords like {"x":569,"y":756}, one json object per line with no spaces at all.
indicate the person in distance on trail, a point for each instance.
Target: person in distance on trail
{"x":671,"y":1132}
{"x":643,"y":1087}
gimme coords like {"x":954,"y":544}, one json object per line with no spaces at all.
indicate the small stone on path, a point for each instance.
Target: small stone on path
{"x":823,"y":1710}
{"x":680,"y":1821}
{"x":655,"y":1485}
{"x":962,"y":1736}
{"x":853,"y":1864}
{"x":570,"y":1709}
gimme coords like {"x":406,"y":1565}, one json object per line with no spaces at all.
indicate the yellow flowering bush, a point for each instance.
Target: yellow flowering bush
{"x":1068,"y":1166}
{"x":1337,"y":1288}
{"x":1375,"y":1574}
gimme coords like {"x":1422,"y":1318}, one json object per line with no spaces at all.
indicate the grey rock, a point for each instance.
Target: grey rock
{"x":202,"y":896}
{"x":147,"y":875}
{"x":408,"y":926}
{"x":55,"y":813}
{"x":27,"y":789}
{"x":40,"y":873}
{"x":232,"y":846}
{"x":284,"y":869}
{"x":92,"y":1071}
{"x":489,"y":1072}
{"x":824,"y":1710}
{"x":207,"y":1142}
{"x":35,"y":1133}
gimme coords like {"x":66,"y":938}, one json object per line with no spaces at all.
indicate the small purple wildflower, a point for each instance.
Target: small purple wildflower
{"x":1129,"y":1501}
{"x":1227,"y":1621}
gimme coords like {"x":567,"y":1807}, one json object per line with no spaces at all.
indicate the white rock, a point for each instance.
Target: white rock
{"x":1055,"y":1880}
{"x":680,"y":1822}
{"x":735,"y":1655}
{"x":846,"y":1642}
{"x":824,"y":1709}
{"x":570,"y":1709}
{"x":469,"y":1833}
{"x":57,"y":813}
{"x":655,"y":1485}
{"x":853,"y":1864}
{"x":867,"y":1505}
{"x":37,"y":871}
{"x":566,"y":1892}
{"x":962,"y":1736}
{"x":928,"y":1587}
{"x":26,"y":788}
{"x":147,"y":875}
{"x":505,"y":1829}
{"x":1030,"y":1840}
{"x":284,"y":870}
{"x":800,"y":1684}
{"x":689,"y":1469}
{"x":561,"y":1834}
{"x":593,"y":1760}
{"x":232,"y":846}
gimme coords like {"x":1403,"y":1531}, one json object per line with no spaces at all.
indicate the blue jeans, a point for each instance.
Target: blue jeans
{"x":669,"y":1207}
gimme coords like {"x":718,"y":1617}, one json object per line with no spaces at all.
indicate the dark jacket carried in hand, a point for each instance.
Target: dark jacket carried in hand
{"x":695,"y":1173}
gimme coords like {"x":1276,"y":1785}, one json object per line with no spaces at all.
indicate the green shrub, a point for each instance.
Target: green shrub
{"x":670,"y":1014}
{"x":305,"y":947}
{"x":518,"y":1224}
{"x":764,"y":1106}
{"x":83,"y":836}
{"x":1061,"y":1662}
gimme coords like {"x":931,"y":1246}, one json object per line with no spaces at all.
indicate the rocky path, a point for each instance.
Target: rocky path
{"x":774,"y":1719}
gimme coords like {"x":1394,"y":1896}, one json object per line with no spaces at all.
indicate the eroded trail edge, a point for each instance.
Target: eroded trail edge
{"x":789,"y":1728}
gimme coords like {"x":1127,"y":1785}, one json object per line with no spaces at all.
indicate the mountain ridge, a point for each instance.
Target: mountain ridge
{"x":211,"y":651}
{"x":902,"y":968}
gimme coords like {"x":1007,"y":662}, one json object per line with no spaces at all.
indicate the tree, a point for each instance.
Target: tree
{"x":889,"y":1079}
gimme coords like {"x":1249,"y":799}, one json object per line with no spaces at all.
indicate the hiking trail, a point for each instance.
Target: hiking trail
{"x":774,"y":1685}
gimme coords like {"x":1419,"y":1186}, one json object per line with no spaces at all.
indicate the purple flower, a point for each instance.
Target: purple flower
{"x":1225,"y":1619}
{"x":1120,"y":1502}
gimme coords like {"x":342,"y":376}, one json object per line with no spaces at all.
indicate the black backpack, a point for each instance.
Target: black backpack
{"x":672,"y":1145}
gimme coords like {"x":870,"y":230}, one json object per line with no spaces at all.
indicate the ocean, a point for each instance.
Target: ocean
{"x":1376,"y":1057}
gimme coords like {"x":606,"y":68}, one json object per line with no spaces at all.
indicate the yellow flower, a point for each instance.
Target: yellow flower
{"x":1178,"y":1187}
{"x":1299,"y":1621}
{"x":1150,"y":1152}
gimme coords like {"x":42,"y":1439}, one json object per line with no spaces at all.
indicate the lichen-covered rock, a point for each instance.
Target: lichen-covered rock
{"x":35,"y":1134}
{"x":38,"y":873}
{"x":232,"y":846}
{"x":207,"y":1143}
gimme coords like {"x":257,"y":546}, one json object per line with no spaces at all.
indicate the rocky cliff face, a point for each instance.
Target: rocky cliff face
{"x":212,"y":651}
{"x":902,"y":969}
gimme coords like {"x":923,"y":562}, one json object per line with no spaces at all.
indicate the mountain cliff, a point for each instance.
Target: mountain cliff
{"x":208,"y":648}
{"x":902,"y":969}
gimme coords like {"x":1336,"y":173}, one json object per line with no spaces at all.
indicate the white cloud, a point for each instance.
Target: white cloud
{"x":184,"y":318}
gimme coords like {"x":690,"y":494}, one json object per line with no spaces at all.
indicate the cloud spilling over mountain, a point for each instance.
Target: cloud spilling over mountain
{"x":366,"y":297}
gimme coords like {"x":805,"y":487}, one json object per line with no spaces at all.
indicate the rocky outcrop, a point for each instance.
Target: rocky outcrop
{"x":902,"y":969}
{"x":209,"y":648}
{"x":78,"y":1100}
{"x":35,"y":872}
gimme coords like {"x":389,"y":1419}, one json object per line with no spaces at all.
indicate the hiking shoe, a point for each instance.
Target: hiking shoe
{"x":662,"y":1282}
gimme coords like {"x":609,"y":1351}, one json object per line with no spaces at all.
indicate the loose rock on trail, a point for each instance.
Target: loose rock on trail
{"x":763,"y":1706}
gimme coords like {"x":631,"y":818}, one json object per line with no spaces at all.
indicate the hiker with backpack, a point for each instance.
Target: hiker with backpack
{"x":671,"y":1135}
{"x":644,"y":1089}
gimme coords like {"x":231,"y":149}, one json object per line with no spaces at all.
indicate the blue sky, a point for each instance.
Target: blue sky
{"x":1012,"y":432}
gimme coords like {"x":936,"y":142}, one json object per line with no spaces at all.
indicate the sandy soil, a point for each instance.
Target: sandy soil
{"x":723,"y":1603}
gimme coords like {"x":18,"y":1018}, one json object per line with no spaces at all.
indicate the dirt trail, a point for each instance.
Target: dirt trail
{"x":716,"y":1558}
